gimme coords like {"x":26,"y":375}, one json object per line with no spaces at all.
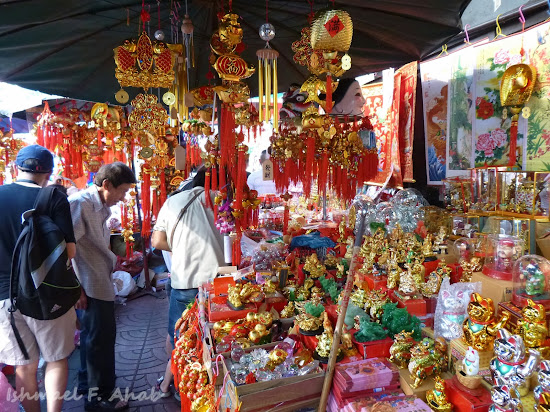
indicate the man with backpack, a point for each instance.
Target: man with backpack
{"x":94,"y":264}
{"x":26,"y":338}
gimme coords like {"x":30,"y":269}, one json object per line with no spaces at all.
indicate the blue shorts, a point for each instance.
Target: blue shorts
{"x":179,"y":299}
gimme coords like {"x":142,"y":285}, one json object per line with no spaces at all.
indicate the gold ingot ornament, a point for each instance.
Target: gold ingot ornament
{"x":517,"y":84}
{"x":332,"y":30}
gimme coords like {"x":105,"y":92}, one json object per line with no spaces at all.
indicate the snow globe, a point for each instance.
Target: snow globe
{"x":531,"y":278}
{"x":502,"y":252}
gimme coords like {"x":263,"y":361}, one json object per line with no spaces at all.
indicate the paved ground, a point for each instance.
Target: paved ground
{"x":140,"y":354}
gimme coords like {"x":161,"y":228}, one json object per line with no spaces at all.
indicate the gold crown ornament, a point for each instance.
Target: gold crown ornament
{"x":144,"y":63}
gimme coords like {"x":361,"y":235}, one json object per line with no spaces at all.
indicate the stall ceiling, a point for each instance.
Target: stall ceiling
{"x":65,"y":47}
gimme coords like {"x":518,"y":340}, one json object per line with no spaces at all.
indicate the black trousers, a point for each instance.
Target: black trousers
{"x":97,"y":341}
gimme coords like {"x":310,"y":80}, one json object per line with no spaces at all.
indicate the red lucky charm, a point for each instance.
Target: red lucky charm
{"x":239,"y":331}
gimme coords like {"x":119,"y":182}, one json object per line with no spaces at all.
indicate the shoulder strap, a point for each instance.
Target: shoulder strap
{"x":45,"y":195}
{"x":180,"y":215}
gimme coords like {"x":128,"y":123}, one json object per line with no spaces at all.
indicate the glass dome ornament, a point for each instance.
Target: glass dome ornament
{"x":267,"y":32}
{"x":531,"y":279}
{"x":502,"y":252}
{"x":159,"y":35}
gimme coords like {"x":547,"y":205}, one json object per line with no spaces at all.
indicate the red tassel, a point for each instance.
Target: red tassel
{"x":155,"y":203}
{"x":207,"y":198}
{"x":146,"y":202}
{"x":222,"y":179}
{"x":323,"y":172}
{"x":215,"y":179}
{"x":40,"y":135}
{"x":286,"y":218}
{"x":513,"y":142}
{"x":328,"y":104}
{"x":162,"y":187}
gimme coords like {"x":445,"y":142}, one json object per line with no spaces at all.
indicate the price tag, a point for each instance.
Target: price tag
{"x":267,"y":170}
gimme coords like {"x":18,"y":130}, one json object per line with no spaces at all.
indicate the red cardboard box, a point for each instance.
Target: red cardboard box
{"x":465,"y":402}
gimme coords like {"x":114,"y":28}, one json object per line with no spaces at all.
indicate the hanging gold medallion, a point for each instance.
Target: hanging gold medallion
{"x":148,"y":114}
{"x":146,"y":152}
{"x":122,"y":96}
{"x":168,"y":98}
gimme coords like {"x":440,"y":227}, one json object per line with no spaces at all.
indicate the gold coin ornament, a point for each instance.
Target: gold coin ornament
{"x":146,"y":152}
{"x":526,"y":112}
{"x":122,"y":96}
{"x":168,"y":98}
{"x":346,"y":62}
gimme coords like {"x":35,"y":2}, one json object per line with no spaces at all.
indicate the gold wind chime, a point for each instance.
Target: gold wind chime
{"x":267,"y":76}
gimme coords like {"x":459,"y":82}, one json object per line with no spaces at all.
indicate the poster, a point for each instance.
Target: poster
{"x":407,"y":101}
{"x":435,"y":75}
{"x":386,"y":128}
{"x":461,"y":113}
{"x":491,"y":142}
{"x":538,"y":107}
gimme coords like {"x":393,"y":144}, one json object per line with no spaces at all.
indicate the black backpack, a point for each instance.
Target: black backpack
{"x":43,"y":283}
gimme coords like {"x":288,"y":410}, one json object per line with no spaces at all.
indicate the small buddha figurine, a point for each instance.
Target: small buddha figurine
{"x":349,"y":249}
{"x":407,"y":285}
{"x":324,"y":343}
{"x":366,"y":246}
{"x":427,"y":246}
{"x":288,"y":310}
{"x":469,"y":267}
{"x":394,"y":272}
{"x":314,"y":267}
{"x":342,"y":231}
{"x":432,"y":286}
{"x":396,"y":235}
{"x":439,"y":242}
{"x":347,"y":345}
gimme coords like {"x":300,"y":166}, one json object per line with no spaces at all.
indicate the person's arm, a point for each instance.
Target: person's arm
{"x":71,"y":250}
{"x":159,"y":240}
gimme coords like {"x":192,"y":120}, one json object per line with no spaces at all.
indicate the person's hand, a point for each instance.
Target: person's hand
{"x":82,"y":302}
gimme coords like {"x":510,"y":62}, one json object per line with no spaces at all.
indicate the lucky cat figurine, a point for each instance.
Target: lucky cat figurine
{"x":471,"y":362}
{"x":532,"y":327}
{"x":511,"y":366}
{"x":482,"y":327}
{"x":451,"y":308}
{"x":503,"y":401}
{"x":542,"y":391}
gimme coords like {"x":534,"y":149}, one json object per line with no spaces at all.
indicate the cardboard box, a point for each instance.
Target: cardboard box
{"x":263,"y":395}
{"x":160,"y":280}
{"x":458,"y":349}
{"x":496,"y":289}
{"x":420,"y":392}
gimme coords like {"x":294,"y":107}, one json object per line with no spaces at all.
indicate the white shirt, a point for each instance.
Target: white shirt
{"x":197,"y":251}
{"x":256,"y":182}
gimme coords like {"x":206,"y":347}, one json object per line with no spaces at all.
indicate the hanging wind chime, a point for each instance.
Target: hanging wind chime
{"x":267,"y":76}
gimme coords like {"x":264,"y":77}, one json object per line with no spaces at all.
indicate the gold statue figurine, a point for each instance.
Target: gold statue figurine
{"x":314,"y":267}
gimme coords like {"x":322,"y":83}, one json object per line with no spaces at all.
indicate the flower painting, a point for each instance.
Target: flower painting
{"x":491,"y":136}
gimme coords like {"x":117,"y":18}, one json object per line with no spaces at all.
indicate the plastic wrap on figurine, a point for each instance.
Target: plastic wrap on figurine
{"x":511,"y":366}
{"x":542,"y":391}
{"x":481,"y":328}
{"x":503,"y":401}
{"x":450,"y":312}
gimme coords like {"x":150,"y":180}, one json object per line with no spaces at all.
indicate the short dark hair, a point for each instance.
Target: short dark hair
{"x":117,"y":173}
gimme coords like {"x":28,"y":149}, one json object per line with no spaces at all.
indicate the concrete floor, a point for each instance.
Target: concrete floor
{"x":140,"y":355}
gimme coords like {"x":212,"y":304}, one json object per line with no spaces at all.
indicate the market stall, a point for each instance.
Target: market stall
{"x":344,"y":290}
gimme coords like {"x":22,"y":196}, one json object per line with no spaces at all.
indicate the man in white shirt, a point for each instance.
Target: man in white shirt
{"x":256,"y":180}
{"x":197,"y":251}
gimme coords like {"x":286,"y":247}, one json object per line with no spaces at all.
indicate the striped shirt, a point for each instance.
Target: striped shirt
{"x":94,"y":262}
